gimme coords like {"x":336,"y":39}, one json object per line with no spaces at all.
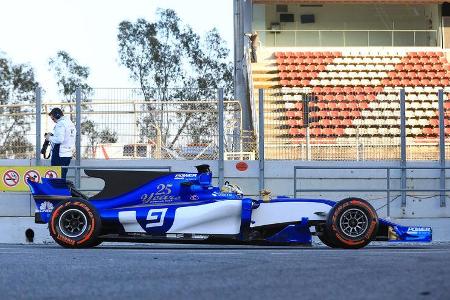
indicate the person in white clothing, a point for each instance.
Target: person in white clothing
{"x":62,"y":140}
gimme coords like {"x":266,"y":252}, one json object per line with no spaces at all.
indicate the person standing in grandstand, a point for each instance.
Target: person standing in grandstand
{"x":62,"y":140}
{"x":253,"y":46}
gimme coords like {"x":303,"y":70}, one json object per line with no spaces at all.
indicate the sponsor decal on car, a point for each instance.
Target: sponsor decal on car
{"x":163,"y":194}
{"x":184,"y":176}
{"x":416,"y":230}
{"x":46,"y":206}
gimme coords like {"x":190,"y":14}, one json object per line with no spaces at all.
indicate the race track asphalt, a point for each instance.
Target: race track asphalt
{"x":166,"y":271}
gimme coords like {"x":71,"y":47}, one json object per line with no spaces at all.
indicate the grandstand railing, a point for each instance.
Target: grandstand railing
{"x":387,"y":189}
{"x":349,"y":38}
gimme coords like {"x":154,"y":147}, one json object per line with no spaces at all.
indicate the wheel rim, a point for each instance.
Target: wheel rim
{"x":353,"y":223}
{"x":73,"y":223}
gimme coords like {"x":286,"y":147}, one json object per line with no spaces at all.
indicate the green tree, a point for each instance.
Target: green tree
{"x":88,"y":128}
{"x":71,"y":75}
{"x":17,"y":95}
{"x":172,"y":62}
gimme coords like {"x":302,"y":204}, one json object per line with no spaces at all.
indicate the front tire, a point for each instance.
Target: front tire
{"x":352,"y":223}
{"x":75,"y":224}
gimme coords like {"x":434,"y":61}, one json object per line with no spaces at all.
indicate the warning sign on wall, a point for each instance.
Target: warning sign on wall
{"x":13,"y":179}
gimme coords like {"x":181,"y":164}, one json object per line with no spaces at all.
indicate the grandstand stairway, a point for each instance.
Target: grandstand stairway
{"x":353,"y":95}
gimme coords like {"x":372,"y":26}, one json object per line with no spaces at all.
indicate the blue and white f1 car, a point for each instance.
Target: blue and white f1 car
{"x":156,"y":206}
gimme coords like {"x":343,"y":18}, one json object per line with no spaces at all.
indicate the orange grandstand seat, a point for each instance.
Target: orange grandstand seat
{"x":339,"y":131}
{"x":346,"y":122}
{"x":409,"y":67}
{"x":284,"y":82}
{"x":299,"y":60}
{"x":434,"y":122}
{"x":282,"y":68}
{"x":280,"y":54}
{"x":316,"y":90}
{"x":351,"y":98}
{"x":340,"y":98}
{"x":399,"y":67}
{"x":363,"y":105}
{"x":283,"y":75}
{"x":378,"y":89}
{"x":315,"y":131}
{"x":425,"y":81}
{"x":414,"y":82}
{"x":291,"y":114}
{"x":355,"y":114}
{"x":294,"y":82}
{"x":428,"y":131}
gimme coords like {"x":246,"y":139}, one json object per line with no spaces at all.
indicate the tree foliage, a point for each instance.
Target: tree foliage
{"x":170,"y":61}
{"x":105,"y":136}
{"x":17,"y":90}
{"x":71,"y":75}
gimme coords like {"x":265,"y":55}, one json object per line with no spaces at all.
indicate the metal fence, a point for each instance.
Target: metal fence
{"x":349,"y":38}
{"x":132,"y":124}
{"x":358,"y":125}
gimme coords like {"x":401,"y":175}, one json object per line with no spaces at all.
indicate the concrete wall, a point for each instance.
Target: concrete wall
{"x":16,"y":209}
{"x":350,"y":17}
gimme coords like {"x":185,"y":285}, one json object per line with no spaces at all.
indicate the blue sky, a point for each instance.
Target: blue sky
{"x":31,"y":31}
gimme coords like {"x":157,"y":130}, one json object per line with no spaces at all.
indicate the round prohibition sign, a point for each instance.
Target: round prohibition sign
{"x":11,"y":178}
{"x":33,"y":175}
{"x":50,"y":174}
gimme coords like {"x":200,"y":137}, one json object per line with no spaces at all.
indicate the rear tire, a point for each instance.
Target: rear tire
{"x":351,"y":224}
{"x":75,"y":224}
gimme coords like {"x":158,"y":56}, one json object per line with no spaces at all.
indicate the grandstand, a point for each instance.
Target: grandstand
{"x":332,"y":72}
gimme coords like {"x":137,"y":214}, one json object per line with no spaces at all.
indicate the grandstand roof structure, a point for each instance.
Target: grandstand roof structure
{"x":348,"y":1}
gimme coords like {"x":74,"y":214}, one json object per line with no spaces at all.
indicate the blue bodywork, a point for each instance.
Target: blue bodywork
{"x":156,"y":202}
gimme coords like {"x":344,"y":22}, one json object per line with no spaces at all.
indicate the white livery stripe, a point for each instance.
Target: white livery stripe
{"x":285,"y":212}
{"x":223,"y":217}
{"x":129,"y":221}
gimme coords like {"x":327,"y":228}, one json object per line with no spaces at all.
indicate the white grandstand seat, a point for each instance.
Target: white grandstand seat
{"x":409,"y":113}
{"x":345,"y":82}
{"x":430,"y":113}
{"x":383,"y":131}
{"x":412,"y":122}
{"x":374,"y":105}
{"x":355,"y":81}
{"x":416,"y":105}
{"x":390,"y":122}
{"x":365,"y":81}
{"x":416,"y":130}
{"x":422,"y":97}
{"x":394,"y":131}
{"x":412,"y":97}
{"x":358,"y":122}
{"x":350,"y":131}
{"x":335,"y":82}
{"x":387,"y":113}
{"x":324,"y":82}
{"x":289,"y":105}
{"x":423,"y":122}
{"x":372,"y":131}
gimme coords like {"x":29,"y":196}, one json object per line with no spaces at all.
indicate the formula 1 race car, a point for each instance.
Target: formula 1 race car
{"x":174,"y":206}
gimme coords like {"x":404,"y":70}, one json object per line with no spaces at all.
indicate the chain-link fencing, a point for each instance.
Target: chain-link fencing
{"x":358,"y":123}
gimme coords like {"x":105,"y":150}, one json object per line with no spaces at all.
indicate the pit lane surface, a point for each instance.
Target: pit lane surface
{"x":166,"y":271}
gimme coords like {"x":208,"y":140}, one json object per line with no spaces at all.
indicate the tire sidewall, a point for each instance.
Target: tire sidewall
{"x":334,"y":231}
{"x":89,"y":235}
